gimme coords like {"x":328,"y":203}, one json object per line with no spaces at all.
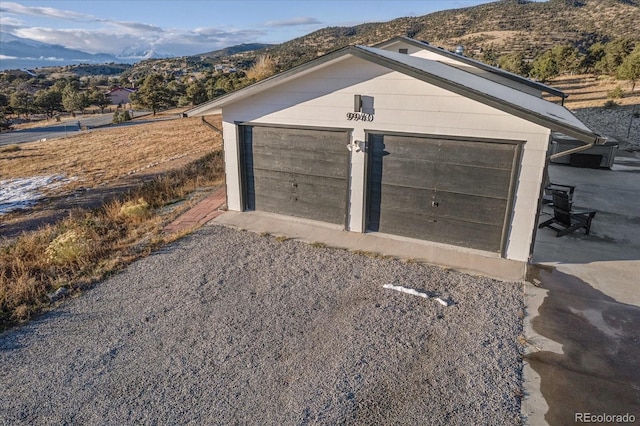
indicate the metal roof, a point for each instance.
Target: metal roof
{"x":488,"y":92}
{"x":477,"y":64}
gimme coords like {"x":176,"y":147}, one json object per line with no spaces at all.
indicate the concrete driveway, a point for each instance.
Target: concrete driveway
{"x":583,"y":313}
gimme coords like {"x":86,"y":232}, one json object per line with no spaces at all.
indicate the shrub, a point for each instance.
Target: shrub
{"x":610,"y":104}
{"x":616,"y":93}
{"x":70,"y":247}
{"x":89,"y":245}
{"x":120,"y":116}
{"x":135,"y":209}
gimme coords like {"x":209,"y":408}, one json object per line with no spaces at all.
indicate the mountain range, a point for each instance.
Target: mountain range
{"x":20,"y":53}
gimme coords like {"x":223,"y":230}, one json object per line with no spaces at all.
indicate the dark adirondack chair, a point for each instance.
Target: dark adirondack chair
{"x":564,"y":220}
{"x":547,"y":197}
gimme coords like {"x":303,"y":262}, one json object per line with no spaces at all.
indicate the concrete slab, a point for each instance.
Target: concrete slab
{"x":609,"y":258}
{"x":466,"y":260}
{"x":582,"y":323}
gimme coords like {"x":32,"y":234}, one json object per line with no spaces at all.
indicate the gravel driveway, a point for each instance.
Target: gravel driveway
{"x":230,"y":327}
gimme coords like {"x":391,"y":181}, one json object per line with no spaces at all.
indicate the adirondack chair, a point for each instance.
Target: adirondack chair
{"x":547,"y":196}
{"x":564,"y":220}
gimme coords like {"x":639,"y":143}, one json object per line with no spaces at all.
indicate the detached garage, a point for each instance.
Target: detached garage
{"x":384,"y":142}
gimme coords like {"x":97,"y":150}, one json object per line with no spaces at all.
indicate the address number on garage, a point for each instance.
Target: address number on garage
{"x":359,"y":116}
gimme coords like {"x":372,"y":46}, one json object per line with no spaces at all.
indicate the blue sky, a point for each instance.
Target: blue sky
{"x":185,"y":27}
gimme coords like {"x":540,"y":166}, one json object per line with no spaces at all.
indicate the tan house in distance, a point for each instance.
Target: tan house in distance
{"x":120,"y":95}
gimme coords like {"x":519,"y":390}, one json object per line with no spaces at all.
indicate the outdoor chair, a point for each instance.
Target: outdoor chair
{"x":564,"y":220}
{"x":547,"y":197}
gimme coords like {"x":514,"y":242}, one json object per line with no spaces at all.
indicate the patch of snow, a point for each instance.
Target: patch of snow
{"x":22,"y":193}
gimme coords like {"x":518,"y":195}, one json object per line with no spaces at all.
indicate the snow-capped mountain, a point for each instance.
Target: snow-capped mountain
{"x":19,"y":53}
{"x":140,"y":54}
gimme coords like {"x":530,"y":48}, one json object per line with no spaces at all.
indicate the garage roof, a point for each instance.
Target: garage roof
{"x":476,"y":64}
{"x":491,"y":93}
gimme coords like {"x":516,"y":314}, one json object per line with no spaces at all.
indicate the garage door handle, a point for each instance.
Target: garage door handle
{"x":435,"y":204}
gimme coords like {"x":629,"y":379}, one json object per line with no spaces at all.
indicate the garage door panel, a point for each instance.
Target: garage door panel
{"x":296,"y":172}
{"x":302,"y":208}
{"x":482,"y":181}
{"x":299,"y":205}
{"x":438,"y":189}
{"x":441,"y":230}
{"x":293,"y":161}
{"x":486,"y":154}
{"x":406,"y":172}
{"x":294,"y":182}
{"x":489,"y":182}
{"x":406,"y":147}
{"x":439,"y":204}
{"x":279,"y":138}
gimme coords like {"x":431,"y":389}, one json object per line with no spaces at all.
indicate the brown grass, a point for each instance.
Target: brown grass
{"x":589,"y":91}
{"x":183,"y":154}
{"x":101,"y":156}
{"x":89,"y":245}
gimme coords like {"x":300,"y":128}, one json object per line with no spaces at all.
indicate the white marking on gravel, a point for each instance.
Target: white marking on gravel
{"x":414,"y":293}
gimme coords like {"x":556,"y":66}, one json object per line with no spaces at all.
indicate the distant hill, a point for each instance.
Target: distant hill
{"x":504,"y":26}
{"x":228,"y":51}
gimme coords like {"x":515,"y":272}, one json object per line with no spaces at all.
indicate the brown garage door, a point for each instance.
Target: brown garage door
{"x":296,"y":171}
{"x":446,"y":190}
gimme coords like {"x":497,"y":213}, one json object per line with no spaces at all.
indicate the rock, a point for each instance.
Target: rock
{"x":58,"y":294}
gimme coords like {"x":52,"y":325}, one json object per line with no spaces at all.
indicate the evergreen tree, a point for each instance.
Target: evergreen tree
{"x":48,"y":100}
{"x":568,"y":59}
{"x":73,"y":100}
{"x":4,"y":123}
{"x":595,"y":53}
{"x":545,"y":67}
{"x":100,"y":99}
{"x":196,"y":93}
{"x":515,"y":63}
{"x":22,"y":102}
{"x":630,"y":67}
{"x":152,"y":94}
{"x":614,"y":54}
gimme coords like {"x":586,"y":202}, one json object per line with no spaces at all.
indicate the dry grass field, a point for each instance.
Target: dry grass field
{"x":590,"y":99}
{"x":104,"y":155}
{"x":590,"y":91}
{"x":148,"y":172}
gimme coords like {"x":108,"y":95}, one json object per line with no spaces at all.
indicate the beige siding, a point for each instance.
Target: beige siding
{"x":402,"y":104}
{"x":232,"y":167}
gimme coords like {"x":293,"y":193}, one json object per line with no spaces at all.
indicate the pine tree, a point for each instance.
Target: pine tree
{"x":152,"y":94}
